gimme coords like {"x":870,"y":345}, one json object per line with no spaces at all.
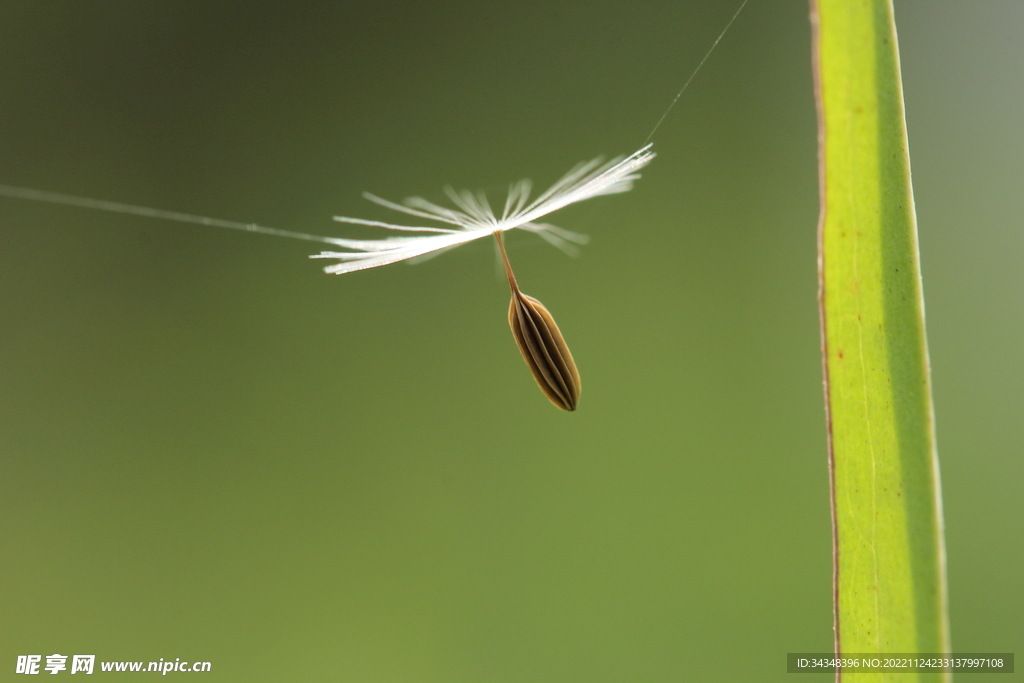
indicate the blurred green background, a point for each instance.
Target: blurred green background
{"x":210,"y":450}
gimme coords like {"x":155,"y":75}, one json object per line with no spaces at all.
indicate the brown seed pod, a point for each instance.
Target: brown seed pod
{"x":542,"y":345}
{"x":544,"y":350}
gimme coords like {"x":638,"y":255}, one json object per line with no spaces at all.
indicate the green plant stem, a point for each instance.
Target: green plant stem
{"x":889,"y":565}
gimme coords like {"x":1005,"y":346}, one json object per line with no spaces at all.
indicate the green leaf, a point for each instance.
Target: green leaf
{"x":889,"y":557}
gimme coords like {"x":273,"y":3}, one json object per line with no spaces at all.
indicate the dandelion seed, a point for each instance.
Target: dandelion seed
{"x":535,"y":332}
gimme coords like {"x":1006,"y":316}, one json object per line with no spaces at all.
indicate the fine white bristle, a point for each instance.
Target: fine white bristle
{"x":474,"y":218}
